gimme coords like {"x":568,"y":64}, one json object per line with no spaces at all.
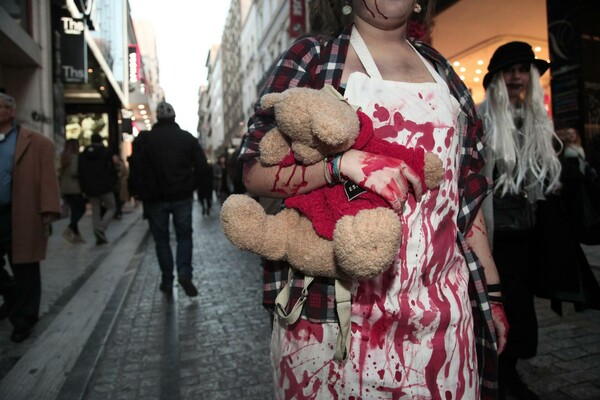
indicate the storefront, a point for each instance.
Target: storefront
{"x":98,"y":75}
{"x":564,"y":33}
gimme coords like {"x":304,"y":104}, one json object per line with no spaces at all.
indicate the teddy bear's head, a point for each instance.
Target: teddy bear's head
{"x":315,"y":123}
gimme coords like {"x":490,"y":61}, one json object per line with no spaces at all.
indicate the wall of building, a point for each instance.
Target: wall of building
{"x":26,"y":69}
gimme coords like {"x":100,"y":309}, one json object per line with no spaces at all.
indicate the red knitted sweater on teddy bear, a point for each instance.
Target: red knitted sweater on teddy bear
{"x":326,"y":205}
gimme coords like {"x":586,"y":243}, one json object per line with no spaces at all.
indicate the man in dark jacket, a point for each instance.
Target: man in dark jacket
{"x":97,"y":177}
{"x":174,"y":159}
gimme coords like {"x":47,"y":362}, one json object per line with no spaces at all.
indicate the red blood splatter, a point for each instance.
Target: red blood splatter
{"x":293,"y":189}
{"x":449,"y":135}
{"x":381,"y":374}
{"x":274,"y":189}
{"x":368,"y":9}
{"x":379,"y":11}
{"x":426,"y":140}
{"x":373,"y":163}
{"x":398,"y":376}
{"x":449,"y":175}
{"x":381,"y":113}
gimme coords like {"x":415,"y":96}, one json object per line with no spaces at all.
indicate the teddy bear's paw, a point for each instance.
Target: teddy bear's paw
{"x":273,"y":147}
{"x":433,"y":170}
{"x":366,"y":245}
{"x":305,"y":154}
{"x":310,"y":253}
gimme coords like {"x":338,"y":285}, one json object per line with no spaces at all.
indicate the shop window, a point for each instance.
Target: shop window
{"x":81,"y":126}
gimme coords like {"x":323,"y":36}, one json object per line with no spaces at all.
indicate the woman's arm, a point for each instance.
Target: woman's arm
{"x":388,"y":177}
{"x":282,"y":182}
{"x":477,"y":239}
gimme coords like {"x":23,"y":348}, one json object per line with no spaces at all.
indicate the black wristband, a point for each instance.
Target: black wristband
{"x":496,"y":287}
{"x":496,"y":299}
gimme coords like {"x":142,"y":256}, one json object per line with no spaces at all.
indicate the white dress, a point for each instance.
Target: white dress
{"x":412,"y":328}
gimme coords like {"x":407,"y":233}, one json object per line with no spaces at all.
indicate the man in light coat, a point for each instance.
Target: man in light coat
{"x":29,"y":202}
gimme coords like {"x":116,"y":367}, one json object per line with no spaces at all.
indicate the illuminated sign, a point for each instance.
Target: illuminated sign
{"x":72,"y":26}
{"x":73,"y":50}
{"x":133,"y":59}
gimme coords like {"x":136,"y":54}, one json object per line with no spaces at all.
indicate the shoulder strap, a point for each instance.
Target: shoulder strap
{"x":343,"y":300}
{"x":282,"y":299}
{"x":343,"y":305}
{"x":360,"y":47}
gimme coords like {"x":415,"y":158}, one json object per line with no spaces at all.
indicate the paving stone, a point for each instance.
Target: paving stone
{"x":583,"y":391}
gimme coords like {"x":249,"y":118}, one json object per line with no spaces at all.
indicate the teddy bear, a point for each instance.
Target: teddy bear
{"x":324,"y":232}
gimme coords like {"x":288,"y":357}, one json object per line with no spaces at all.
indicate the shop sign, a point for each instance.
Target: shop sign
{"x":297,"y":18}
{"x":133,"y":58}
{"x":73,"y":50}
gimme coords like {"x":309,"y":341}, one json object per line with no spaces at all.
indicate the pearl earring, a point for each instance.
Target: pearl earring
{"x":347,"y":9}
{"x":417,"y":8}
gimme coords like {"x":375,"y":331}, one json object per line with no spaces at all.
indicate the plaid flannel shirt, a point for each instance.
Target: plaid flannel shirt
{"x":314,"y":62}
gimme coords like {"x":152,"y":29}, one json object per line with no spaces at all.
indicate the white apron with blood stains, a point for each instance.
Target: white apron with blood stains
{"x":412,"y":328}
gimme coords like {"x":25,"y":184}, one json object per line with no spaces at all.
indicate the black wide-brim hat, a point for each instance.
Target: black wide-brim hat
{"x":510,"y":54}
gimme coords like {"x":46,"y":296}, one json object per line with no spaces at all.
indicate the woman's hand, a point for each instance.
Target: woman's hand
{"x":500,"y":324}
{"x":389,"y":177}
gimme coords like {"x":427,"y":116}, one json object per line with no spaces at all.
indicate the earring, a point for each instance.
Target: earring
{"x":347,"y":8}
{"x":417,"y":8}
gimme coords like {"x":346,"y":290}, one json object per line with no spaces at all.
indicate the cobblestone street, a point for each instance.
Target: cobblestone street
{"x":214,"y":346}
{"x":107,"y":332}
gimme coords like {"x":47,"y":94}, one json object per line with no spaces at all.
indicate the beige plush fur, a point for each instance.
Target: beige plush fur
{"x":315,"y":124}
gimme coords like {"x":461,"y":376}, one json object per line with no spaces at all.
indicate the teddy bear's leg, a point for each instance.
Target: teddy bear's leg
{"x":248,"y":227}
{"x":286,"y":235}
{"x":366,"y":245}
{"x":310,"y":253}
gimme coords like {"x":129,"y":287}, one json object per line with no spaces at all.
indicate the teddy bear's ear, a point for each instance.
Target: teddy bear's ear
{"x":270,"y":99}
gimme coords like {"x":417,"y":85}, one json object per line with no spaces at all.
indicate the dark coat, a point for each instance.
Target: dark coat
{"x":141,"y":183}
{"x":563,"y":272}
{"x":174,"y":159}
{"x":96,"y":170}
{"x":205,"y":188}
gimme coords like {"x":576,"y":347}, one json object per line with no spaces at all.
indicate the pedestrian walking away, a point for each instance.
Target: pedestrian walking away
{"x":223,"y":184}
{"x":425,"y":327}
{"x":205,"y":189}
{"x":71,"y":190}
{"x":29,"y":202}
{"x":97,"y":177}
{"x":175,"y":162}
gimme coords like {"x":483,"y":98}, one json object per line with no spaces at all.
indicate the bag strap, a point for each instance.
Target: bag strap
{"x":343,"y":299}
{"x":344,"y":310}
{"x":282,"y":299}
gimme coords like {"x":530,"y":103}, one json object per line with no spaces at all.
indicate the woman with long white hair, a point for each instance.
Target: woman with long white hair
{"x":519,"y":137}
